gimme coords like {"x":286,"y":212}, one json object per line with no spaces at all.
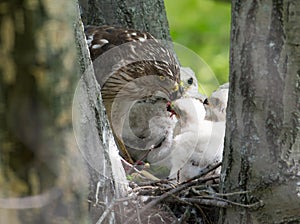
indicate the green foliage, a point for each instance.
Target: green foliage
{"x":202,"y":26}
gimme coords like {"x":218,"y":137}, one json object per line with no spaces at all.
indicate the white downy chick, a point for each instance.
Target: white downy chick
{"x":216,"y":104}
{"x":210,"y":146}
{"x":190,"y":113}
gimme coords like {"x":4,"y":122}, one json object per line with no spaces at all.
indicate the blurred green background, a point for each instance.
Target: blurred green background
{"x":202,"y":26}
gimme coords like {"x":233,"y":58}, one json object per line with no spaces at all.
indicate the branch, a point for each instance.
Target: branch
{"x":217,"y":203}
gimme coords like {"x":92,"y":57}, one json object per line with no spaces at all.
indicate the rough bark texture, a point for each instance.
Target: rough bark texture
{"x":143,"y":15}
{"x":41,"y":172}
{"x":107,"y":180}
{"x":262,"y":143}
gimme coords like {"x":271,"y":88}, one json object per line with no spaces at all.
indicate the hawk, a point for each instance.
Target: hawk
{"x":130,"y":65}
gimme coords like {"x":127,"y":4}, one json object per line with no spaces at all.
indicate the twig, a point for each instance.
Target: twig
{"x":155,"y":182}
{"x":111,"y":205}
{"x":198,"y":189}
{"x":179,"y":200}
{"x":226,"y":194}
{"x":147,"y":192}
{"x":167,"y":208}
{"x":185,"y":215}
{"x":206,"y":170}
{"x":203,"y":213}
{"x":207,"y":202}
{"x":143,"y":188}
{"x":106,"y":212}
{"x":254,"y":205}
{"x":199,"y":181}
{"x":132,"y":167}
{"x":97,"y":192}
{"x":138,"y":214}
{"x":141,"y":172}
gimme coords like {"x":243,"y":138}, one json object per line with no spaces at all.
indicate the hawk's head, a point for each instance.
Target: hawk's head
{"x":132,"y":62}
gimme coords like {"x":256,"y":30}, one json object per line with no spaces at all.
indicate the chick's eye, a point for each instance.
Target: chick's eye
{"x":205,"y":102}
{"x":162,"y":78}
{"x":190,"y":81}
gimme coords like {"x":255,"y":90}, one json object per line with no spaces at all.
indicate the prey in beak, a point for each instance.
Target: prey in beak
{"x":170,"y":108}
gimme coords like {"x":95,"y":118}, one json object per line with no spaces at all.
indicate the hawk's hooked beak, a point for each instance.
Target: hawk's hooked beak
{"x":177,"y":92}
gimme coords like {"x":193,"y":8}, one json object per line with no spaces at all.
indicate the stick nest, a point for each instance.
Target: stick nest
{"x":162,"y":201}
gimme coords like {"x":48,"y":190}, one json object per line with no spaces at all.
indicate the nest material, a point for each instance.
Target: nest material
{"x":162,"y":201}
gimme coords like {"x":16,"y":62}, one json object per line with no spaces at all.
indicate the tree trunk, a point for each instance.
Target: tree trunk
{"x":42,"y":176}
{"x":107,"y":181}
{"x":143,"y":15}
{"x":262,"y":143}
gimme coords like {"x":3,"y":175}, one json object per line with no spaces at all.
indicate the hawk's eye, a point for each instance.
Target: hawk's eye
{"x":190,"y":81}
{"x":205,"y":102}
{"x":162,"y":78}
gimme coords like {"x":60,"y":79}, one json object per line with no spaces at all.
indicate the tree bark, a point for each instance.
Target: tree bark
{"x":107,"y":181}
{"x":143,"y":15}
{"x":41,"y":171}
{"x":262,"y":143}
